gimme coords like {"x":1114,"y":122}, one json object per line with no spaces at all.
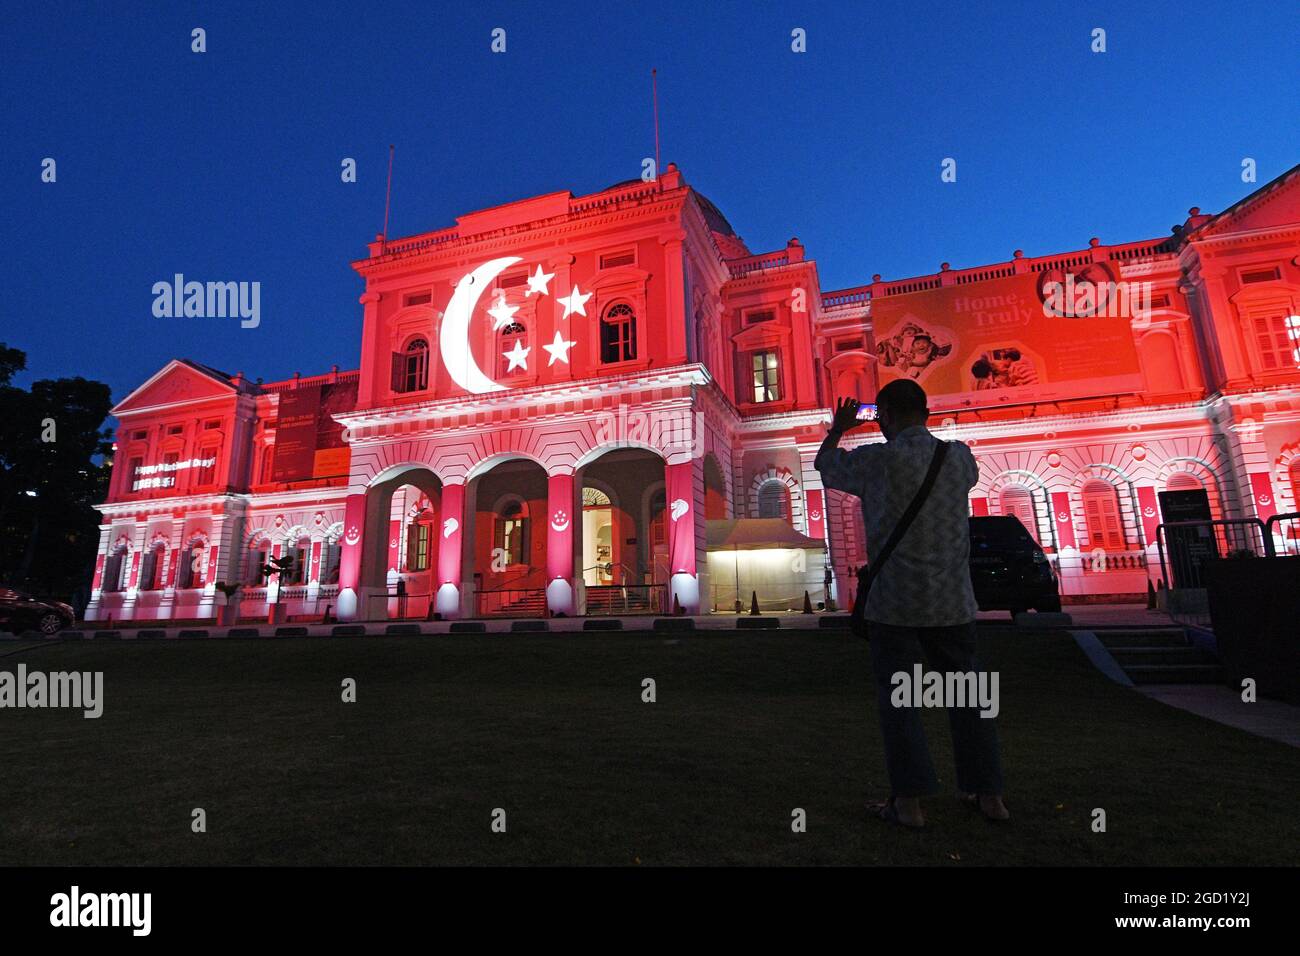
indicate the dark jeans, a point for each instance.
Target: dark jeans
{"x":974,"y":738}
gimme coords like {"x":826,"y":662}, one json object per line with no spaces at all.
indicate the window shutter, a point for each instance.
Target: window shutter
{"x":399,"y":371}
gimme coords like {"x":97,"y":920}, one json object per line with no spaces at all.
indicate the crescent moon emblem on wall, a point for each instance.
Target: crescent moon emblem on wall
{"x":453,"y":336}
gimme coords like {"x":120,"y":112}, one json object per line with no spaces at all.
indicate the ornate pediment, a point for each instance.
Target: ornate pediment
{"x":179,"y":382}
{"x":1275,"y":204}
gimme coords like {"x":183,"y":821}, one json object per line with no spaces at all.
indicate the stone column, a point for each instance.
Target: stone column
{"x":560,"y":522}
{"x":450,"y":532}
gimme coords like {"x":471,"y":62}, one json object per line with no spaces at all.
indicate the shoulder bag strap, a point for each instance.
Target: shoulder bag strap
{"x":936,"y":462}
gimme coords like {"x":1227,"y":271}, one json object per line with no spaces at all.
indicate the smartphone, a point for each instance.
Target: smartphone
{"x":866,"y":412}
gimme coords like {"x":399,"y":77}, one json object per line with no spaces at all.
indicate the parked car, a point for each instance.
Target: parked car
{"x":1008,"y":569}
{"x":20,"y":612}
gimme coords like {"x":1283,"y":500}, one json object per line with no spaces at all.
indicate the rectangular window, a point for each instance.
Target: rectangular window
{"x":418,"y":298}
{"x":256,"y":562}
{"x":618,"y":335}
{"x":133,"y":474}
{"x":421,"y":562}
{"x":333,"y":556}
{"x":766,"y":380}
{"x":765,"y":315}
{"x":207,"y":473}
{"x":210,"y":425}
{"x":1277,"y":335}
{"x":139,"y":436}
{"x":175,"y":429}
{"x":511,"y":282}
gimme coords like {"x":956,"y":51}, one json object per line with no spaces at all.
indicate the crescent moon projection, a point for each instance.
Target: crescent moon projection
{"x":453,"y":337}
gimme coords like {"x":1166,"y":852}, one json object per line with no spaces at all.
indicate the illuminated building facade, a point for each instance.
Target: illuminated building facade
{"x":565,"y":403}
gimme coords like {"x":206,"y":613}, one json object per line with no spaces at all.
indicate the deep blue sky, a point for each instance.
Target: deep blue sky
{"x":225,"y":165}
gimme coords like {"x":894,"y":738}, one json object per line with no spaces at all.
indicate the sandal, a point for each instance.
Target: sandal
{"x":972,"y":800}
{"x":885,"y":810}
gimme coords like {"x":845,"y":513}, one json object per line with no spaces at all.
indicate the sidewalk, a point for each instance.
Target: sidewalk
{"x":1265,"y":718}
{"x":1086,"y":616}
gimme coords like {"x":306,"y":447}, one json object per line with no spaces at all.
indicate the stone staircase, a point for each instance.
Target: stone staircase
{"x":1161,"y":656}
{"x":528,"y":604}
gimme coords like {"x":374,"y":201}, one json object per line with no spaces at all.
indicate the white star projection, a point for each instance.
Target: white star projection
{"x":559,"y":349}
{"x":517,"y":357}
{"x":537,"y":282}
{"x":454,"y":335}
{"x":502,"y":313}
{"x":575,"y":301}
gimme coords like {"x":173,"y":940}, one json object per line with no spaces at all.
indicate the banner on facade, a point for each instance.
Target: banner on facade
{"x":1011,"y":340}
{"x":308,"y":441}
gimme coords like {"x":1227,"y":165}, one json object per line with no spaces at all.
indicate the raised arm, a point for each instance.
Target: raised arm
{"x":831,"y":460}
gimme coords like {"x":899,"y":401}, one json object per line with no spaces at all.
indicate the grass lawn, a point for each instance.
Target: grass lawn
{"x":553,"y":729}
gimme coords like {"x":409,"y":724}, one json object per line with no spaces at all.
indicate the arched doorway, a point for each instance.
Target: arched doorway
{"x":623,"y":551}
{"x":506,"y":539}
{"x":400,"y":555}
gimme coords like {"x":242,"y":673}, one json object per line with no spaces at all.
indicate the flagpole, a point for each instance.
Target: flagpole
{"x":388,"y":195}
{"x":654,"y":95}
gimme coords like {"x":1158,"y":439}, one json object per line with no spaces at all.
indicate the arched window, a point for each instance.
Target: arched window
{"x":411,"y":367}
{"x":419,"y":542}
{"x":191,"y":566}
{"x":658,"y":525}
{"x":511,"y":534}
{"x":151,"y":568}
{"x":512,"y":347}
{"x":268,"y":463}
{"x":330,"y":562}
{"x":1183,"y":481}
{"x":1018,"y":501}
{"x":618,"y":334}
{"x":114,"y":568}
{"x":1101,"y":512}
{"x":1293,"y":471}
{"x":258,"y":552}
{"x":774,"y":500}
{"x":301,"y":559}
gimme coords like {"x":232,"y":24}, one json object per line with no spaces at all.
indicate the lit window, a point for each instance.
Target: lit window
{"x":766,"y":385}
{"x":1101,"y":511}
{"x":418,"y":548}
{"x":618,"y":334}
{"x":411,"y":367}
{"x":511,"y":538}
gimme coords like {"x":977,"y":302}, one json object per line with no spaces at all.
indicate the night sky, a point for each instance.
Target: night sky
{"x":225,"y":165}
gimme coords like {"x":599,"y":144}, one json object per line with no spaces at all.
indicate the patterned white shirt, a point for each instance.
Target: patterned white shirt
{"x":926,"y":581}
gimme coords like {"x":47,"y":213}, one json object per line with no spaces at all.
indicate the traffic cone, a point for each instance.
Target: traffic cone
{"x":807,"y":603}
{"x":1151,"y":595}
{"x":753,"y":605}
